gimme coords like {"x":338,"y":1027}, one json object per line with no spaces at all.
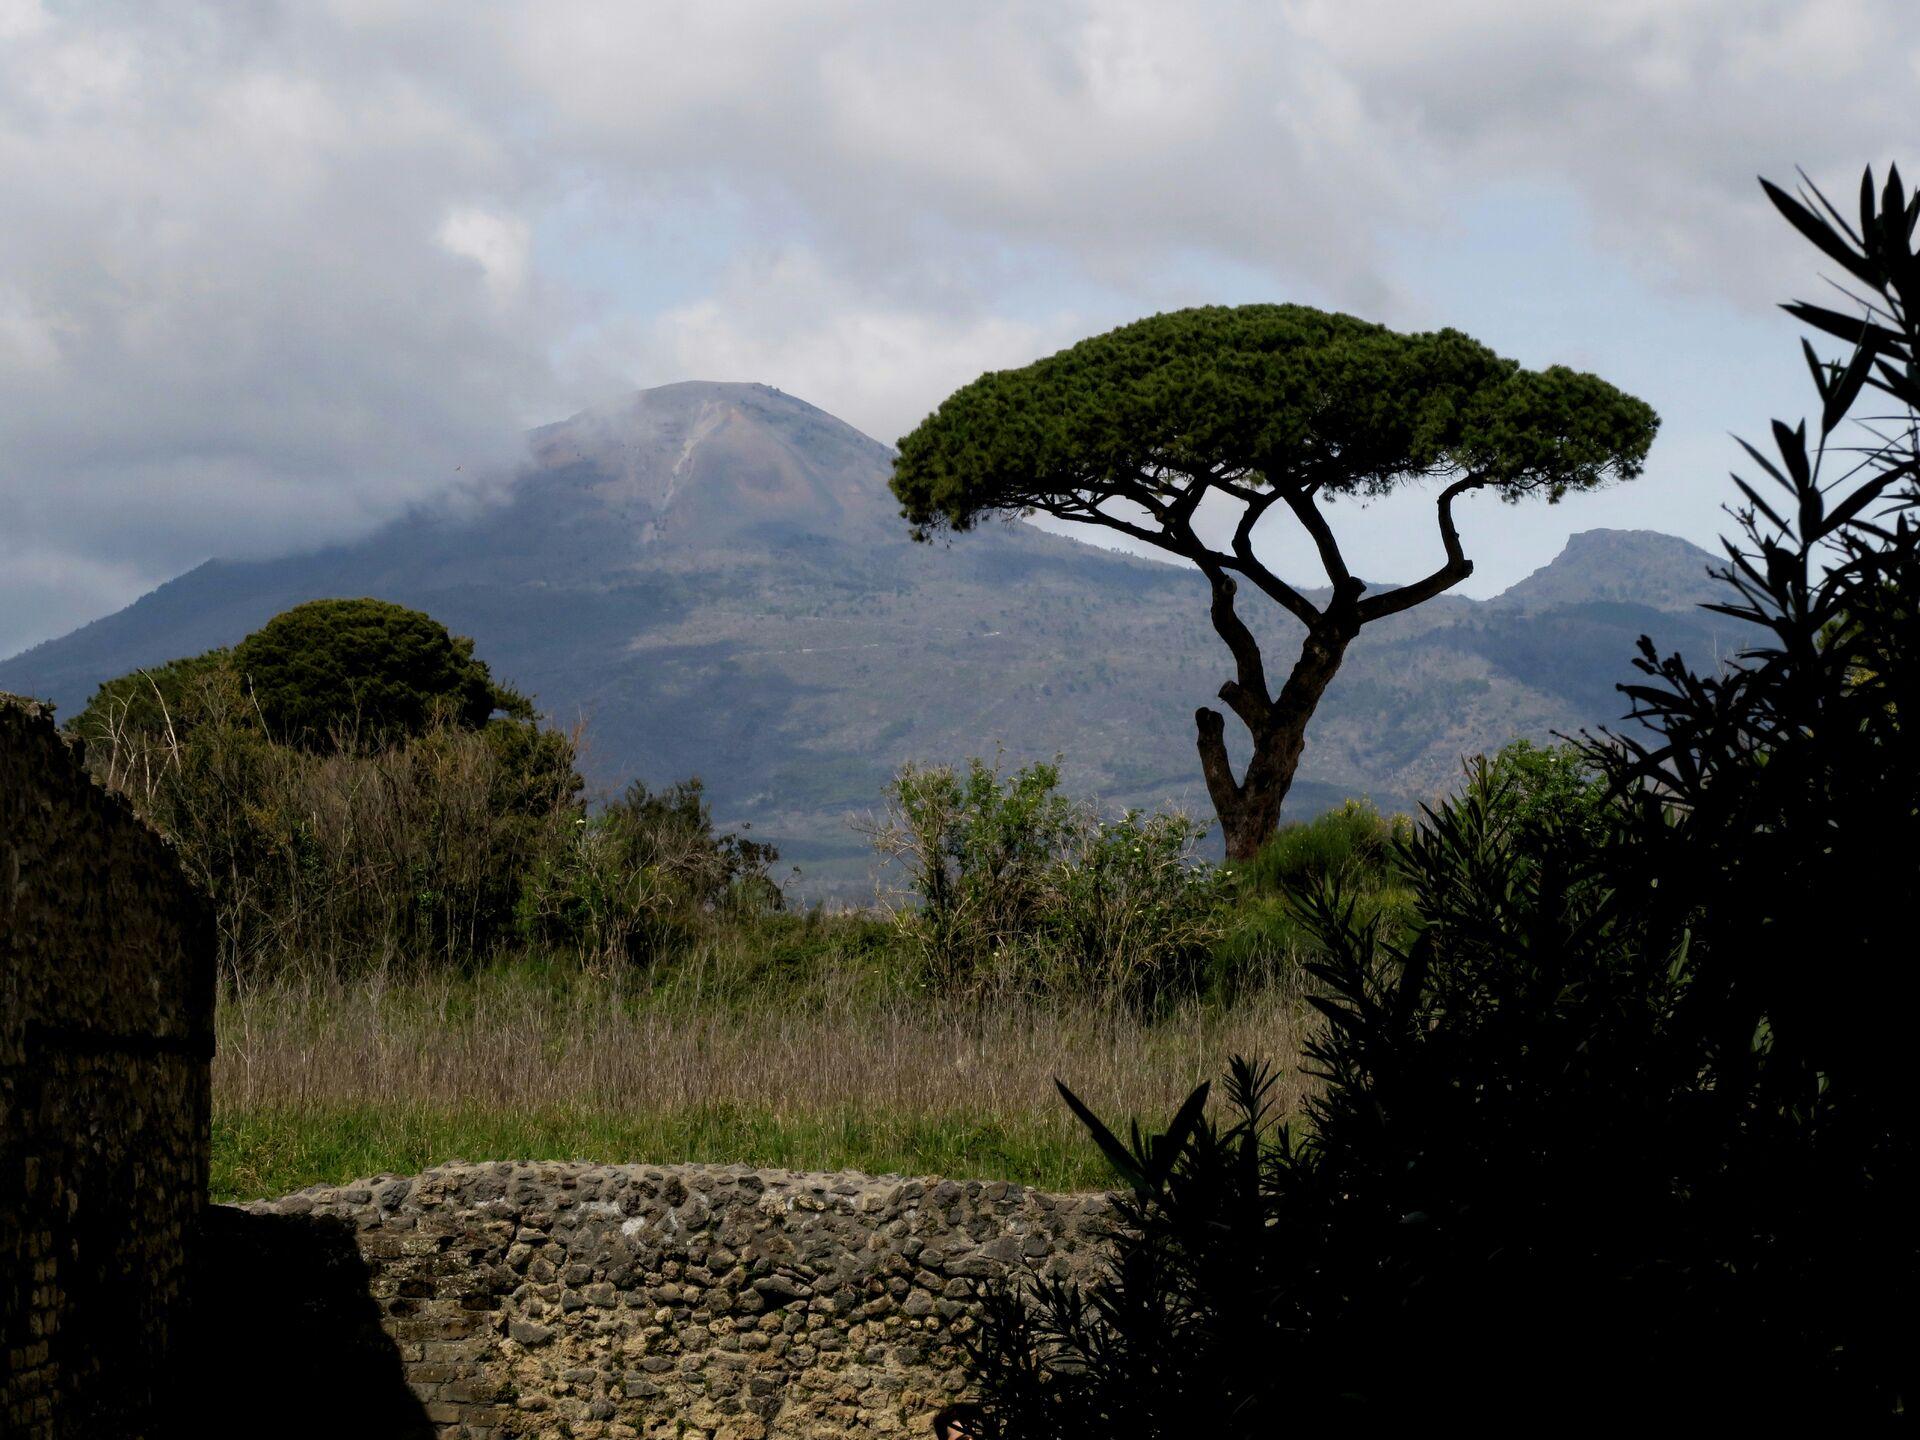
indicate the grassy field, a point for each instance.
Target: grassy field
{"x":321,"y":1079}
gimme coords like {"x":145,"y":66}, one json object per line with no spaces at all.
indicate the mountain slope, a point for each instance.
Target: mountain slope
{"x":1633,"y":567}
{"x":715,"y":578}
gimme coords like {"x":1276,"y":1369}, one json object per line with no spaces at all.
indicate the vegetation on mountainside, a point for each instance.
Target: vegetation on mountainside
{"x":1621,"y":1122}
{"x":1256,"y":407}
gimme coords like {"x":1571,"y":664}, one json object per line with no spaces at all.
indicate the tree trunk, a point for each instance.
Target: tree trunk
{"x":1249,"y":809}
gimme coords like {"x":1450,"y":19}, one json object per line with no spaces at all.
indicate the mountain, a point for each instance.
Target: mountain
{"x":1634,"y":567}
{"x":715,"y":579}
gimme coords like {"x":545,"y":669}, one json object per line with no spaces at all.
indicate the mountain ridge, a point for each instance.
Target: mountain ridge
{"x":716,"y":578}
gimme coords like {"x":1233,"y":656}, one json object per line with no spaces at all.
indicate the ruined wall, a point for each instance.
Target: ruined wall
{"x":106,"y":1033}
{"x":677,"y":1301}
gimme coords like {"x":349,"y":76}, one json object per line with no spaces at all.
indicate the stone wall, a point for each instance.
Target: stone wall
{"x":106,"y":1033}
{"x":676,"y":1301}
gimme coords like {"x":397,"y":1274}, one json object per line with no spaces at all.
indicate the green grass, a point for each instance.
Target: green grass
{"x":795,"y":1041}
{"x":271,"y":1151}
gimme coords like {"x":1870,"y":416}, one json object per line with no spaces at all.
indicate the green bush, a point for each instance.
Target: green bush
{"x":409,"y":845}
{"x":1266,"y":939}
{"x":1540,"y":781}
{"x":1352,"y":844}
{"x":361,"y":672}
{"x":634,"y":882}
{"x":1020,"y":888}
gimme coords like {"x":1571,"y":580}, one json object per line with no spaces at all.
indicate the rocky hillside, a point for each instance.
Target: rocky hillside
{"x":714,"y":578}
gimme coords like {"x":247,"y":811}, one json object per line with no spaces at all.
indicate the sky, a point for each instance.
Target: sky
{"x":271,"y":274}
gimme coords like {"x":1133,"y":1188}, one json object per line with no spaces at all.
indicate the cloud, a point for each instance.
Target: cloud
{"x":497,"y":243}
{"x":228,"y":320}
{"x":784,"y":320}
{"x":1114,"y":131}
{"x":269,"y":273}
{"x":1658,"y":113}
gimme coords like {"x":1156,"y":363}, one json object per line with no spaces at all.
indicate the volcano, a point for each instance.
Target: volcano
{"x":714,"y":580}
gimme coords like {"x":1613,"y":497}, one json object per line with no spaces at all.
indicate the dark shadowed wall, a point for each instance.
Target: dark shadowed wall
{"x":106,"y":1033}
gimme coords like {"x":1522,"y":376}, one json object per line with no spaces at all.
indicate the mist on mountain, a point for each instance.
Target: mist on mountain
{"x":715,"y":579}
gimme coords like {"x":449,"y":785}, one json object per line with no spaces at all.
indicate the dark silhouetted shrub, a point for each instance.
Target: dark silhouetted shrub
{"x":1622,"y":1125}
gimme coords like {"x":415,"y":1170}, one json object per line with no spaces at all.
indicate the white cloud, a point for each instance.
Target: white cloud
{"x":227,"y":324}
{"x":497,"y":243}
{"x":20,"y":18}
{"x":269,"y":273}
{"x":1659,"y":113}
{"x":786,"y":321}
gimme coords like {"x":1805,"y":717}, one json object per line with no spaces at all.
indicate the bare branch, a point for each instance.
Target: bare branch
{"x":1457,"y":567}
{"x":1315,"y":524}
{"x":1248,"y":564}
{"x":1246,"y":694}
{"x":1085,"y":514}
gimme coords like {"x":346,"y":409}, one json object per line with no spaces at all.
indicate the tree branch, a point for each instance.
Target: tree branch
{"x":1177,"y":535}
{"x":1246,"y":694}
{"x":1210,"y":728}
{"x":1276,"y":589}
{"x":1457,"y":567}
{"x":1093,"y":515}
{"x":1315,"y":524}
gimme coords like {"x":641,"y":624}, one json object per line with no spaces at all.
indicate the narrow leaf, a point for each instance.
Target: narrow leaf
{"x":1820,"y":233}
{"x":1117,"y":1154}
{"x":1854,"y":329}
{"x":1792,"y":445}
{"x":1846,"y":390}
{"x":1175,"y":1140}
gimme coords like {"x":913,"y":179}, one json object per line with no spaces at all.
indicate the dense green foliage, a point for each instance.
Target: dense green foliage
{"x":436,"y":835}
{"x":625,"y":883}
{"x":1622,"y":1124}
{"x":362,"y":671}
{"x":1352,"y":845}
{"x":1271,"y":394}
{"x":1545,"y":785}
{"x":148,"y":702}
{"x":1264,"y":937}
{"x":1017,"y":887}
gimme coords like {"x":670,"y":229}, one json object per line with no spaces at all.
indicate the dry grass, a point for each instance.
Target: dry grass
{"x":320,"y":1078}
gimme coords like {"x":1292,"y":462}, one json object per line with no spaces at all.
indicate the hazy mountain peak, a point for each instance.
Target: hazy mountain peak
{"x":704,"y":461}
{"x":1636,"y":567}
